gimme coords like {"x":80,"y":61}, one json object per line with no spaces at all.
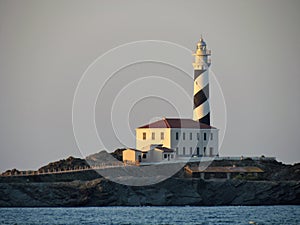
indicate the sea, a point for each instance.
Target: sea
{"x":153,"y":215}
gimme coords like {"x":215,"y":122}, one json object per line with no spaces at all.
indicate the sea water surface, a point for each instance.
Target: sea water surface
{"x":153,"y":215}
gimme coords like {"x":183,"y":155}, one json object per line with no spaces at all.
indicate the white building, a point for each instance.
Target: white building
{"x":185,"y":136}
{"x":181,"y":138}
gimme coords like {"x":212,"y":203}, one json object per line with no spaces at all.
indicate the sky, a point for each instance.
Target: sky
{"x":46,"y":46}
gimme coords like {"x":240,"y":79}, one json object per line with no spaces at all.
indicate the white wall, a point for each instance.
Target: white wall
{"x":194,"y":143}
{"x":171,"y":155}
{"x":140,"y":143}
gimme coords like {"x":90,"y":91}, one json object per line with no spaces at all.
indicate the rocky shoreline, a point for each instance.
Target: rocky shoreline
{"x":279,"y":184}
{"x":171,"y":192}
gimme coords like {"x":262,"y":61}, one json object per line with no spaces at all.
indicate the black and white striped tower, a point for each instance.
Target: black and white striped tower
{"x":201,"y":83}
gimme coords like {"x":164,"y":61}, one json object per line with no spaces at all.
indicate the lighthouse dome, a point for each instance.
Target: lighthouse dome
{"x":202,"y":42}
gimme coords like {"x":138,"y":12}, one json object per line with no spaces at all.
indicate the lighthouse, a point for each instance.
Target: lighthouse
{"x":168,"y":139}
{"x":201,"y":66}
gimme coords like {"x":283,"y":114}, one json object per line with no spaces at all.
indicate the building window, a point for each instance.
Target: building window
{"x":191,"y":136}
{"x":183,"y":150}
{"x":211,"y":136}
{"x":191,"y":150}
{"x":165,"y":156}
{"x":204,"y":136}
{"x":144,"y":156}
{"x":204,"y":151}
{"x":144,"y":136}
{"x":198,"y":136}
{"x":177,"y":136}
{"x":183,"y":136}
{"x":153,"y":136}
{"x":162,"y":135}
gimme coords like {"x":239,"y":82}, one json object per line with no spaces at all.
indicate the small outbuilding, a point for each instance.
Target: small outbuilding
{"x":157,"y":153}
{"x":226,"y":172}
{"x":149,"y":154}
{"x":132,"y":156}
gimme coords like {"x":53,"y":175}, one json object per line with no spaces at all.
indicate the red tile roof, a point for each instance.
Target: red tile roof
{"x":164,"y":149}
{"x":177,"y":123}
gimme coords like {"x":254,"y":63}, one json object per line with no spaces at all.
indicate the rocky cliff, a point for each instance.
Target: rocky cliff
{"x":174,"y":191}
{"x":279,"y":184}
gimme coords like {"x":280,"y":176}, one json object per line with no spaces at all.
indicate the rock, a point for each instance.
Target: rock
{"x":118,"y":154}
{"x":279,"y":184}
{"x":174,"y":191}
{"x":11,"y":172}
{"x":102,"y":157}
{"x":70,"y":163}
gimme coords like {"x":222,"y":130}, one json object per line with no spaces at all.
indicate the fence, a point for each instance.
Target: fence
{"x":67,"y":170}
